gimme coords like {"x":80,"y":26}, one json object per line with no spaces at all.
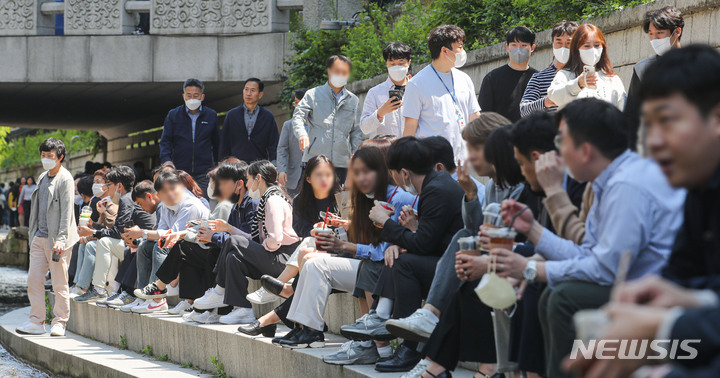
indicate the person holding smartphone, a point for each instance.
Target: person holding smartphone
{"x":381,"y":113}
{"x":588,"y":72}
{"x":52,"y":232}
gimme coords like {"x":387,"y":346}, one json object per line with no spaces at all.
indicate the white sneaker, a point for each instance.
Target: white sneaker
{"x":181,"y":308}
{"x":418,"y":370}
{"x":239,"y":315}
{"x":151,"y":306}
{"x":75,"y":292}
{"x":207,"y":317}
{"x":173,"y":291}
{"x":31,"y":328}
{"x":57,"y":330}
{"x":211,"y":299}
{"x":189,"y":316}
{"x":261,"y":296}
{"x":128,"y":307}
{"x":416,"y":327}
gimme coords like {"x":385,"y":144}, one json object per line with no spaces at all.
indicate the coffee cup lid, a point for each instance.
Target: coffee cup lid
{"x":503,"y":232}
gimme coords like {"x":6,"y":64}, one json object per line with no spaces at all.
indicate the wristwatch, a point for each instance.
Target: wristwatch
{"x":530,"y":272}
{"x":145,"y":235}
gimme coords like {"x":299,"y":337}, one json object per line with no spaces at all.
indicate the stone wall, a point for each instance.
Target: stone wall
{"x":627,"y":43}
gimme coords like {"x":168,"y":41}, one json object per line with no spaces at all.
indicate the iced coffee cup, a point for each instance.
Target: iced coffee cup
{"x":386,"y":206}
{"x":503,"y":237}
{"x":320,"y":231}
{"x":590,"y":324}
{"x":468,"y":246}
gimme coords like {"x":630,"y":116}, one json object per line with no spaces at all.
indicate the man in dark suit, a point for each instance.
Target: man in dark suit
{"x":190,"y":134}
{"x":250,"y":132}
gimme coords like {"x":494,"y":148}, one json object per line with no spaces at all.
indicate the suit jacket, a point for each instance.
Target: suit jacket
{"x":439,"y":217}
{"x":176,"y":144}
{"x":289,"y":156}
{"x":60,"y":210}
{"x":262,"y":142}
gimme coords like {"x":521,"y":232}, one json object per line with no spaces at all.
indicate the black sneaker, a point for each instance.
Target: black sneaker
{"x":287,"y":336}
{"x":307,"y":338}
{"x":151,"y":291}
{"x":91,"y":295}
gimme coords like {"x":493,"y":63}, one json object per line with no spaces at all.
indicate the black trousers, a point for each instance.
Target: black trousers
{"x":384,"y":287}
{"x":241,"y":259}
{"x":526,"y":346}
{"x":127,"y":272}
{"x":72,"y":268}
{"x":412,"y":276}
{"x":465,"y":331}
{"x":190,"y":262}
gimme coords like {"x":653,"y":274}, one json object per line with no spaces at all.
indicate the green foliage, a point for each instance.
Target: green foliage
{"x":23,"y":151}
{"x":187,"y":365}
{"x":163,"y":357}
{"x":49,"y":316}
{"x":219,"y":367}
{"x":485,"y":23}
{"x":147,"y":351}
{"x":122,"y":345}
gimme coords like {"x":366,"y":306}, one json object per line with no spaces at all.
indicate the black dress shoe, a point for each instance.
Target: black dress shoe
{"x":444,"y":374}
{"x":254,"y":329}
{"x":272,"y":284}
{"x":287,"y":336}
{"x":307,"y":338}
{"x":404,"y":359}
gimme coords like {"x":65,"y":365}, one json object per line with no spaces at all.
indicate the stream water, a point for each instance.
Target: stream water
{"x":13,"y":295}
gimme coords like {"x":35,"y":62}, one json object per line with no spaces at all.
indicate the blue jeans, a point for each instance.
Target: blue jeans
{"x":85,"y":264}
{"x":149,"y":258}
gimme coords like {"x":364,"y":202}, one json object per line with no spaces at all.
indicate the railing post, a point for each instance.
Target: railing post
{"x":97,"y":17}
{"x":23,"y":17}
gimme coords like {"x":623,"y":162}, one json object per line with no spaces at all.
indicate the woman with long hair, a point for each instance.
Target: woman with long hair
{"x":272,"y":241}
{"x":588,"y":72}
{"x":192,"y":187}
{"x":26,"y":196}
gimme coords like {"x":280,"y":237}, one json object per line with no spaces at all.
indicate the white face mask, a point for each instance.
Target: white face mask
{"x":48,"y":164}
{"x":255,"y":193}
{"x":338,"y":81}
{"x":460,"y":59}
{"x":591,"y":57}
{"x":662,"y":45}
{"x":409,"y":188}
{"x":78,"y":200}
{"x":562,"y":54}
{"x":398,"y":73}
{"x":116,"y":196}
{"x":97,"y":190}
{"x":370,"y":195}
{"x":210,"y":191}
{"x":193,"y":104}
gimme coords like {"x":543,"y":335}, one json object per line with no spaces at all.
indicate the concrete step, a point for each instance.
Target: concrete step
{"x":77,"y":356}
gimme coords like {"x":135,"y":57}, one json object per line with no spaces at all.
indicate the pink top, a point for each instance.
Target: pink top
{"x":278,"y":222}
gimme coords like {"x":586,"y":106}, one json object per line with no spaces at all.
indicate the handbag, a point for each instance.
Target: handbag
{"x":495,"y":291}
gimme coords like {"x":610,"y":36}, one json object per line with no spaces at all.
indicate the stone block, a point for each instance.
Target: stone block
{"x":14,"y":65}
{"x":120,"y":58}
{"x":23,"y":17}
{"x":58,"y":59}
{"x":700,"y":27}
{"x":204,"y":17}
{"x":97,"y":17}
{"x":176,"y":57}
{"x":236,"y":62}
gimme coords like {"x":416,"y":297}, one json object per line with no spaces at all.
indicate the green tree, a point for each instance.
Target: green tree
{"x":23,"y":151}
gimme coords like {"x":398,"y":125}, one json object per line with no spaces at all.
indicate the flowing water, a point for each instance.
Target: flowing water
{"x":13,"y":295}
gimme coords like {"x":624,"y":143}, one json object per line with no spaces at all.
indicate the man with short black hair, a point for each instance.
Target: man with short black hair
{"x":190,"y":137}
{"x":120,"y":182}
{"x":635,"y":211}
{"x":289,"y":157}
{"x":503,"y":88}
{"x":440,"y":99}
{"x":664,"y":28}
{"x":443,"y":156}
{"x":249,"y":132}
{"x":381,"y":113}
{"x":52,"y":235}
{"x":332,"y":115}
{"x":439,"y":218}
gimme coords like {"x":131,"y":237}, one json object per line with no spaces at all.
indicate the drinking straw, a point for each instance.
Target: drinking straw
{"x":512,"y":221}
{"x":415,"y":200}
{"x":326,"y":216}
{"x":392,"y":194}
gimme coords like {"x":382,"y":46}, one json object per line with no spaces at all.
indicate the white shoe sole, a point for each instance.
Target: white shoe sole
{"x":21,"y":332}
{"x":314,"y":344}
{"x":407,"y":332}
{"x":238,"y":321}
{"x":57,"y":334}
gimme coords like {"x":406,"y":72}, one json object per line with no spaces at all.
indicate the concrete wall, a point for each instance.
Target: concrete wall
{"x":627,"y":43}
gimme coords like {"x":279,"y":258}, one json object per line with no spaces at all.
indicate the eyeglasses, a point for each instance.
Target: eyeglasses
{"x":558,"y":141}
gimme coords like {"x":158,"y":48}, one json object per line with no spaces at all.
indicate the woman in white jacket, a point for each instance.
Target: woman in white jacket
{"x":588,"y":48}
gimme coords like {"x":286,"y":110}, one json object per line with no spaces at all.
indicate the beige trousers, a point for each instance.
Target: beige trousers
{"x":40,"y":262}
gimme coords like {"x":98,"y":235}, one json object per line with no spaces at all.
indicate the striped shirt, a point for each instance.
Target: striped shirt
{"x":536,"y":91}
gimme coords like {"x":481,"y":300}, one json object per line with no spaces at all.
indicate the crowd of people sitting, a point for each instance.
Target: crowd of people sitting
{"x":571,"y":219}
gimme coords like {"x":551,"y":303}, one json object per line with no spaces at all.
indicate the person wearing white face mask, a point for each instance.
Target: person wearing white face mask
{"x":535,"y":97}
{"x":502,"y":88}
{"x":52,"y":235}
{"x":191,"y":136}
{"x":664,"y":28}
{"x":440,"y":99}
{"x":382,"y":114}
{"x":326,"y":121}
{"x":588,"y":51}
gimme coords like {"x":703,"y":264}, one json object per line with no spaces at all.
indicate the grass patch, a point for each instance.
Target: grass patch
{"x":219,"y":367}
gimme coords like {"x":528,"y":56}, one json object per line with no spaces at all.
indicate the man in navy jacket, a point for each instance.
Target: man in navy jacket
{"x":191,"y":135}
{"x":249,"y":132}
